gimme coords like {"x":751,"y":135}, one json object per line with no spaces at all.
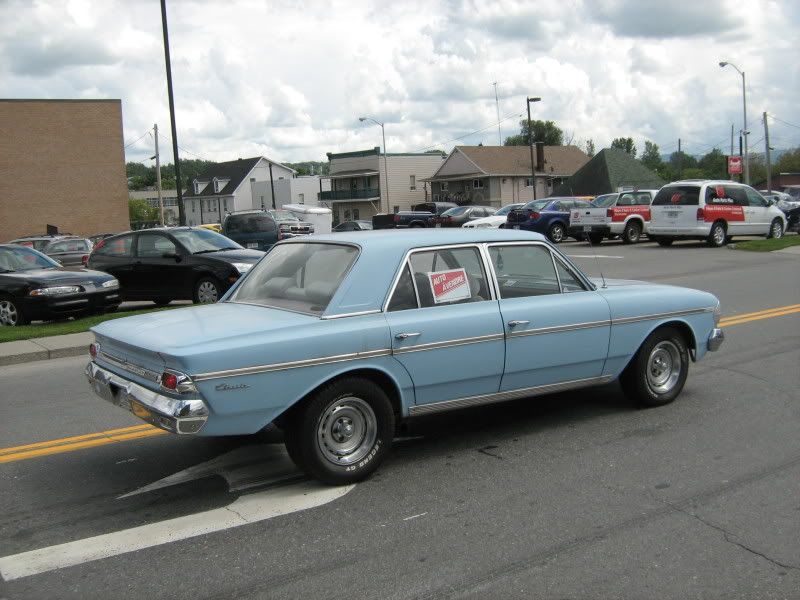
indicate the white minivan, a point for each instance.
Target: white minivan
{"x":713,"y":211}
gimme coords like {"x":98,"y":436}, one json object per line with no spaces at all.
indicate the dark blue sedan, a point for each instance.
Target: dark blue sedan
{"x":549,"y":216}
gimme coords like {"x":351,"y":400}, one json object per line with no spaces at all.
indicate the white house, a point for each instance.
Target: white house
{"x":228,"y":186}
{"x":304,"y":189}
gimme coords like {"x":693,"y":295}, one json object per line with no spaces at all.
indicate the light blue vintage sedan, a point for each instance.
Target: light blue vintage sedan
{"x":336,"y":338}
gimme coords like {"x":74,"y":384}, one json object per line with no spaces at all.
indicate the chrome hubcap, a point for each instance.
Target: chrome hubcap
{"x":777,"y":230}
{"x":663,"y":367}
{"x":8,"y":313}
{"x":347,"y":431}
{"x":719,"y":235}
{"x":633,"y":233}
{"x":558,"y":234}
{"x":207,"y":293}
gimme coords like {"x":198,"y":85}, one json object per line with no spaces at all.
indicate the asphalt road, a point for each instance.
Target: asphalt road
{"x":576,"y":495}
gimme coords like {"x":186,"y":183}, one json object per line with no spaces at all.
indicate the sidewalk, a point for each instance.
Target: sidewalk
{"x":57,"y":346}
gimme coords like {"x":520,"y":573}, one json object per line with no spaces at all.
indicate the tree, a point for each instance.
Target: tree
{"x":789,"y":162}
{"x":590,"y":147}
{"x":625,"y":144}
{"x":141,"y":210}
{"x":546,"y":132}
{"x":682,"y":160}
{"x":651,"y":157}
{"x":714,"y":165}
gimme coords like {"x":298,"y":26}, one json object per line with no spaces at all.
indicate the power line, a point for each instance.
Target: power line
{"x":490,"y":126}
{"x":137,"y":139}
{"x":782,"y":121}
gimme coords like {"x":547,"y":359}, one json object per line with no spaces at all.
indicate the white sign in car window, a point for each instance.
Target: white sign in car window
{"x":450,"y":285}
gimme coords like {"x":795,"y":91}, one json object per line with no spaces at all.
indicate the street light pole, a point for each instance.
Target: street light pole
{"x":385,"y":163}
{"x":530,"y":145}
{"x":745,"y":132}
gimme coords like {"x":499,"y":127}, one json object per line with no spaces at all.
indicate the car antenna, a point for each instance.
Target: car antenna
{"x":587,"y":230}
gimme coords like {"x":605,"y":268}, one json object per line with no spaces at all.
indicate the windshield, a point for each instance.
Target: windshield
{"x":204,"y":240}
{"x":24,"y":259}
{"x":302,"y":277}
{"x":604,"y":201}
{"x":282,"y":215}
{"x":536,"y":205}
{"x":455,"y":211}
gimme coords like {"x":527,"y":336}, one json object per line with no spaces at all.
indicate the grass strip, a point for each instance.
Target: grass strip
{"x":769,"y":245}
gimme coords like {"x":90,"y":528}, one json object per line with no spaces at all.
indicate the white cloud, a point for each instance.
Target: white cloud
{"x":289,"y":79}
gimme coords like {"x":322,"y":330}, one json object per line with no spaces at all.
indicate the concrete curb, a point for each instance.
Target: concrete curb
{"x":57,"y":346}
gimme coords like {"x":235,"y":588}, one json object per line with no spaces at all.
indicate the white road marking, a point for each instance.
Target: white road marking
{"x":245,"y":510}
{"x":119,"y":462}
{"x":415,"y":516}
{"x":593,"y":256}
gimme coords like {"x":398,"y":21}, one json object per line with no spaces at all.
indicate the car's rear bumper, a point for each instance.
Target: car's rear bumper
{"x":177,"y":415}
{"x":715,"y":339}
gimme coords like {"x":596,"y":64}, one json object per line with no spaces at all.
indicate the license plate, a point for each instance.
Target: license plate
{"x":252,"y":244}
{"x":516,"y":226}
{"x":587,"y":228}
{"x":672,"y":213}
{"x":438,"y":225}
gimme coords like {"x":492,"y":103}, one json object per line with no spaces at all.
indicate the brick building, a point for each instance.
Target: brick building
{"x":62,"y":163}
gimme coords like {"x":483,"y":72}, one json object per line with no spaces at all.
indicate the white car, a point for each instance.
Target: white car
{"x":712,"y":210}
{"x":495,"y":220}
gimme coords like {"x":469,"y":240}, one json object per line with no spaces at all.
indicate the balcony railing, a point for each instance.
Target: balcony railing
{"x":352,"y":194}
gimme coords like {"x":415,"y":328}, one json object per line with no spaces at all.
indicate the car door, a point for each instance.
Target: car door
{"x":445,"y":325}
{"x":756,"y":213}
{"x":557,"y":329}
{"x":115,"y":256}
{"x":160,"y":269}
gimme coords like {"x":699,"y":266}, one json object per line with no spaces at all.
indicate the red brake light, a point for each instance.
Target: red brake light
{"x":169,"y":380}
{"x":397,"y":218}
{"x":535,"y":215}
{"x":85,"y":259}
{"x":93,"y":350}
{"x":700,"y":214}
{"x":100,"y":244}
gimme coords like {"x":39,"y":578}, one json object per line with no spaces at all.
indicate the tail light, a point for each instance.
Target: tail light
{"x":610,"y":212}
{"x":93,"y":350}
{"x":397,"y":218}
{"x":534,"y":215}
{"x":85,"y":259}
{"x":177,"y":382}
{"x":701,"y":214}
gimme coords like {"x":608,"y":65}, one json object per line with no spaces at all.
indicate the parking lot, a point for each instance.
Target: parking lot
{"x":574,"y":495}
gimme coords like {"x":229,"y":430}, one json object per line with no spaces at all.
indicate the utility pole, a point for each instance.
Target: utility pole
{"x":530,"y":144}
{"x":497,"y":105}
{"x":731,"y":139}
{"x":158,"y":176}
{"x":766,"y":152}
{"x":181,"y":212}
{"x":680,"y":159}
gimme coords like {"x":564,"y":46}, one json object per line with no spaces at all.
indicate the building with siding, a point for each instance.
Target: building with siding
{"x":304,"y":189}
{"x":610,"y":170}
{"x":62,"y":163}
{"x":358,"y":186}
{"x":501,"y":175}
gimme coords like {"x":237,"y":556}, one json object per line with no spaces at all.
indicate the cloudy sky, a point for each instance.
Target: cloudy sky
{"x":288,"y":79}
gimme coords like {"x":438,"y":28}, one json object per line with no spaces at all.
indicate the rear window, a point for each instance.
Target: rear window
{"x":251,"y":223}
{"x":536,"y":205}
{"x":604,"y":201}
{"x":302,"y":277}
{"x":453,"y":212}
{"x":678,"y":195}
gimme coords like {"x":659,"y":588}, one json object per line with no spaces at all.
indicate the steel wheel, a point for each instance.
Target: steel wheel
{"x":206,"y":292}
{"x":347,"y":431}
{"x":663,"y":367}
{"x":9,"y":315}
{"x":776,"y":229}
{"x":632,"y":233}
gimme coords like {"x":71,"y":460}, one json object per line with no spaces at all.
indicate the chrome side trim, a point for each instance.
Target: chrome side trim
{"x":559,"y":328}
{"x":130,"y":367}
{"x":426,"y":409}
{"x":295,"y":364}
{"x":450,"y":343}
{"x":674,"y":313}
{"x":352,"y":314}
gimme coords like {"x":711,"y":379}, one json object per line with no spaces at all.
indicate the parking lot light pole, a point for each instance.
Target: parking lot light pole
{"x":385,"y":163}
{"x":530,"y":144}
{"x":724,"y":64}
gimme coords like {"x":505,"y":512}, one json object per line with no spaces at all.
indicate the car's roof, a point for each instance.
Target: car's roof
{"x":406,"y":239}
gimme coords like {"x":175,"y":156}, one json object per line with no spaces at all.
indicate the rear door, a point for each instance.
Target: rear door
{"x":727,"y":203}
{"x":675,"y":207}
{"x":756,"y":213}
{"x":445,"y":325}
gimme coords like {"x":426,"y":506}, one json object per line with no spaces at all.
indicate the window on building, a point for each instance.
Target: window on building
{"x":225,"y":205}
{"x":412,"y":184}
{"x":355,"y":214}
{"x":302,"y":198}
{"x":396,"y":209}
{"x":529,"y":182}
{"x":194,"y":206}
{"x":443,"y":185}
{"x":252,"y":180}
{"x":262,"y":201}
{"x":477,"y":184}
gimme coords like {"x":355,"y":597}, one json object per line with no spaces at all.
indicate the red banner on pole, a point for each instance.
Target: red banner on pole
{"x":734,"y":165}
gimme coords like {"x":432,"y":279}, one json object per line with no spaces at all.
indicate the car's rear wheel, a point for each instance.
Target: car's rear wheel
{"x":657,"y":373}
{"x":632,"y":233}
{"x":11,"y":313}
{"x":664,"y":241}
{"x":775,"y":229}
{"x":207,"y":290}
{"x":343,"y":432}
{"x":556,"y":233}
{"x":717,"y":235}
{"x":595,"y":238}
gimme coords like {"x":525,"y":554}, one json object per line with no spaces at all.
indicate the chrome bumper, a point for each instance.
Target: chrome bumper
{"x":715,"y":339}
{"x":173,"y":414}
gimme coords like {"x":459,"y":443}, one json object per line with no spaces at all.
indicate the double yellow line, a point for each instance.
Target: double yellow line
{"x":761,"y":314}
{"x":77,"y":442}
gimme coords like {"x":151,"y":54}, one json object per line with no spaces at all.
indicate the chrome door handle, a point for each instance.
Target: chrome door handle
{"x":405,"y":336}
{"x":517,"y":323}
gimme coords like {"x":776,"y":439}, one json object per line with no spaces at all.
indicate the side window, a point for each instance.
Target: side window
{"x":644,"y":199}
{"x":154,"y":246}
{"x":725,"y":195}
{"x":449,"y":276}
{"x":58,"y":247}
{"x":524,"y":271}
{"x":404,"y":296}
{"x":754,"y":198}
{"x":569,"y":282}
{"x":120,"y":246}
{"x":625,"y":200}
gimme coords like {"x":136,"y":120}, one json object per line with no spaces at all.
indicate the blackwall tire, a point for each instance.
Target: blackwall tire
{"x":657,"y":373}
{"x":717,"y":235}
{"x":632,"y":233}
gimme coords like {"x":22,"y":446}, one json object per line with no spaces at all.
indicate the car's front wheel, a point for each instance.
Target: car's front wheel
{"x":556,"y":233}
{"x":207,"y":291}
{"x":658,"y":371}
{"x":11,"y":313}
{"x":775,"y":229}
{"x":343,"y":432}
